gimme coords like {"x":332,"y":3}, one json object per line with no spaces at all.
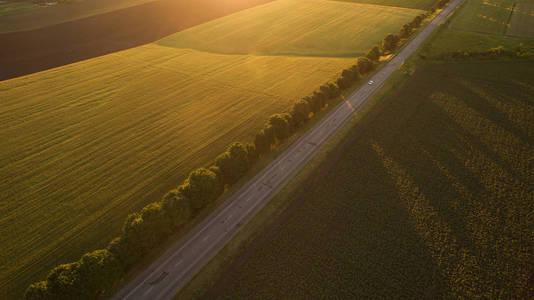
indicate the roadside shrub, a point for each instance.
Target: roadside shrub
{"x":343,"y":82}
{"x":317,"y":101}
{"x":442,"y":3}
{"x":492,"y":53}
{"x":405,"y":31}
{"x":268,"y":130}
{"x":233,"y":163}
{"x":281,"y":126}
{"x":252,"y":154}
{"x":390,"y":42}
{"x":37,"y":291}
{"x":177,"y":207}
{"x":330,"y":90}
{"x":261,"y":143}
{"x":300,"y":112}
{"x":365,"y":65}
{"x":200,"y":188}
{"x":141,"y":231}
{"x":416,"y":22}
{"x":63,"y":282}
{"x":98,"y":271}
{"x":374,"y":54}
{"x":85,"y":279}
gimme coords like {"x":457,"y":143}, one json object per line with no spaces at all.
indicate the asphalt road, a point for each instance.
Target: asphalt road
{"x":164,"y":278}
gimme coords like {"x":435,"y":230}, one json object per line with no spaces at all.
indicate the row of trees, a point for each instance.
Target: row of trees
{"x":391,"y":41}
{"x":97,"y":271}
{"x":492,"y":53}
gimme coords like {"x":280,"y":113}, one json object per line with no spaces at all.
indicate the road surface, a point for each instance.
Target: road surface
{"x":164,"y":278}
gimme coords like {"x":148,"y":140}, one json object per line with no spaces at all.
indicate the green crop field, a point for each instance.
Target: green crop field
{"x":522,"y":21}
{"x":96,"y":140}
{"x":418,"y":4}
{"x":351,"y":29}
{"x":88,"y":143}
{"x":486,"y":16}
{"x":430,"y":198}
{"x":480,"y":25}
{"x":14,"y":7}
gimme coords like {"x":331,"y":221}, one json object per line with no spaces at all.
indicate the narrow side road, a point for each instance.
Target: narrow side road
{"x":179,"y":264}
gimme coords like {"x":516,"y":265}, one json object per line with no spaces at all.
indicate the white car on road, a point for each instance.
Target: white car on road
{"x":370,"y":82}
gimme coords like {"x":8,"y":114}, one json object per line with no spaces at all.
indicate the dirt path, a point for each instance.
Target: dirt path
{"x":26,"y":52}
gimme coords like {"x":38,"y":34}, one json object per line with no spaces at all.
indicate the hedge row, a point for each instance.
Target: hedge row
{"x":493,"y":53}
{"x":391,"y":41}
{"x":97,"y":271}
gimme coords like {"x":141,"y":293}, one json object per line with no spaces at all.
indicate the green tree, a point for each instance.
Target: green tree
{"x":390,"y":42}
{"x":261,"y":143}
{"x":416,"y":22}
{"x":98,"y":271}
{"x":405,"y":31}
{"x":365,"y":65}
{"x":200,"y":188}
{"x":300,"y":112}
{"x":268,"y":130}
{"x":63,"y":282}
{"x":374,"y":54}
{"x":281,"y":126}
{"x":122,"y":251}
{"x":38,"y":291}
{"x":177,"y":207}
{"x":233,"y":163}
{"x":330,"y":90}
{"x":136,"y":238}
{"x":252,"y":154}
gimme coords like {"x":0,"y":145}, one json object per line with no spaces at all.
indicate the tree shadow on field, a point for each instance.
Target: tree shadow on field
{"x":346,"y":235}
{"x":433,"y":150}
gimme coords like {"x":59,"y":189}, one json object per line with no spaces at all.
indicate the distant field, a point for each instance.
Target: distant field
{"x":479,"y":26}
{"x":418,"y":4}
{"x":93,"y":141}
{"x":24,"y":15}
{"x":313,"y":28}
{"x":522,"y":21}
{"x":431,"y":198}
{"x":486,"y":16}
{"x":14,"y":7}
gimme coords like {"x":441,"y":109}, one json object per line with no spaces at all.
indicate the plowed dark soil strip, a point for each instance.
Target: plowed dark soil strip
{"x":26,"y":52}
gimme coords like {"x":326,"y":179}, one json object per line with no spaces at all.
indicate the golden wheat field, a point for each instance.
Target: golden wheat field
{"x":86,"y":144}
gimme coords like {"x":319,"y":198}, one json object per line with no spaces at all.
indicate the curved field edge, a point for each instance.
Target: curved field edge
{"x":24,"y":15}
{"x":93,"y":141}
{"x":31,"y":51}
{"x":314,"y":28}
{"x":417,"y":4}
{"x":432,"y":191}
